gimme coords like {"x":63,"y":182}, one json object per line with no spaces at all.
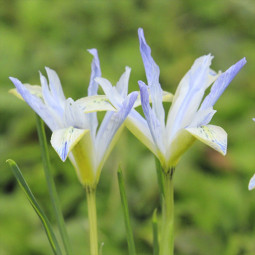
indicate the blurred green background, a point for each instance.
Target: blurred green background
{"x":214,"y":212}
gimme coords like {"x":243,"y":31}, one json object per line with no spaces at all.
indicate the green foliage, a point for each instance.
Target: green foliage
{"x":214,"y":210}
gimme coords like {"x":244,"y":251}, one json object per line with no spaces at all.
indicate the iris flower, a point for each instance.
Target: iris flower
{"x":189,"y":116}
{"x":74,"y":124}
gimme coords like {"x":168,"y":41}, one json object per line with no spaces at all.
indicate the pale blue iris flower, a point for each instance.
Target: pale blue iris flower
{"x":74,"y":123}
{"x":189,"y":115}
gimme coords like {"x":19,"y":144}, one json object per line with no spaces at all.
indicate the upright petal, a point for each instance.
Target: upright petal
{"x":152,"y":74}
{"x":110,"y":91}
{"x":36,"y":104}
{"x":156,"y":129}
{"x":95,"y":72}
{"x":221,"y":84}
{"x":189,"y":95}
{"x":109,"y":128}
{"x":55,"y":85}
{"x":74,"y":116}
{"x":92,"y":90}
{"x":122,"y":84}
{"x":56,"y":106}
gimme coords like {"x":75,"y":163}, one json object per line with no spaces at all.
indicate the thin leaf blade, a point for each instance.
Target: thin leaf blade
{"x":45,"y":222}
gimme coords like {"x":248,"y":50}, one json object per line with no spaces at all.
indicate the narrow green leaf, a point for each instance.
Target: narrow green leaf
{"x":46,"y":224}
{"x":51,"y":185}
{"x":155,"y":233}
{"x":159,"y":171}
{"x":130,"y":238}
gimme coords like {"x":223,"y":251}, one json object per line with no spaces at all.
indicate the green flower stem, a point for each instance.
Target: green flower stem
{"x":167,"y":227}
{"x":51,"y":185}
{"x":92,"y":214}
{"x":130,"y":238}
{"x":155,"y":233}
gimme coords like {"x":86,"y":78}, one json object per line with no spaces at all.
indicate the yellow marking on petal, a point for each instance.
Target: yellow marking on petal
{"x":213,"y":136}
{"x":95,"y":104}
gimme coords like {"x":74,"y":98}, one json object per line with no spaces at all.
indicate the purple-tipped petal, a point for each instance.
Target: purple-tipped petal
{"x":221,"y":84}
{"x":92,"y":89}
{"x":152,"y":73}
{"x":95,"y":72}
{"x":36,"y":104}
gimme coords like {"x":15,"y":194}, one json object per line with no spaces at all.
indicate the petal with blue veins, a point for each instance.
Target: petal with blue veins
{"x":213,"y":136}
{"x":36,"y":104}
{"x":221,"y":84}
{"x":55,"y":84}
{"x":156,"y":129}
{"x":110,"y":91}
{"x":95,"y":72}
{"x":35,"y":90}
{"x":63,"y":140}
{"x":110,"y":125}
{"x":122,"y":84}
{"x":92,"y":89}
{"x":152,"y":73}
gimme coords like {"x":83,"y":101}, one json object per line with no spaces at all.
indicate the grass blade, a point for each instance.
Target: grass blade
{"x":46,"y":224}
{"x":51,"y":185}
{"x":130,"y":238}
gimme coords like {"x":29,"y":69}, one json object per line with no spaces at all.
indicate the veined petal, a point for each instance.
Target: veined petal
{"x":74,"y":115}
{"x":110,"y":125}
{"x":77,"y":144}
{"x":166,"y":97}
{"x":63,"y":140}
{"x":189,"y":95}
{"x":139,"y":127}
{"x":55,"y":85}
{"x":36,"y":104}
{"x":152,"y":74}
{"x":213,"y":136}
{"x":35,"y":90}
{"x":122,"y":84}
{"x":96,"y":103}
{"x":154,"y":124}
{"x":202,"y":117}
{"x":55,"y":104}
{"x":252,"y":183}
{"x":221,"y":84}
{"x":110,"y":91}
{"x":92,"y":90}
{"x":95,"y":72}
